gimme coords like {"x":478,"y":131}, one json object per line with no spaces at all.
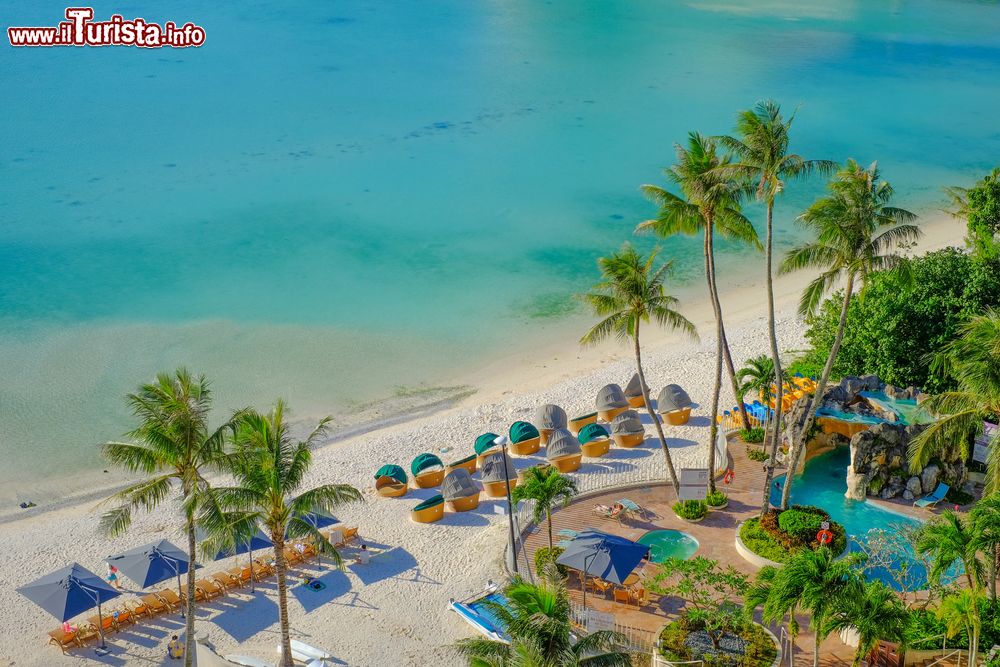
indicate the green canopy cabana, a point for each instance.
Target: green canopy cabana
{"x":520,"y":431}
{"x":424,"y":461}
{"x":592,"y":432}
{"x":430,"y":502}
{"x":394,"y":471}
{"x":485,"y":442}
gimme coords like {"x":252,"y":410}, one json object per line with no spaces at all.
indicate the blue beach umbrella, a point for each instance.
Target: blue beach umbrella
{"x":318,"y":519}
{"x":150,"y":564}
{"x":259,"y":541}
{"x":610,"y":557}
{"x":69,"y":592}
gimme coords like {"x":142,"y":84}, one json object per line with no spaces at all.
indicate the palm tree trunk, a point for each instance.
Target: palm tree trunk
{"x":671,"y":473}
{"x":720,"y":350}
{"x":799,"y":439}
{"x":278,"y":538}
{"x":993,"y":572}
{"x":189,"y":621}
{"x":772,"y":461}
{"x":728,"y":357}
{"x":816,"y":646}
{"x":548,"y":519}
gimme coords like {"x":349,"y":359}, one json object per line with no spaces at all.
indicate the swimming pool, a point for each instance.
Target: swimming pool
{"x":664,"y":544}
{"x":906,"y":410}
{"x":823,"y":483}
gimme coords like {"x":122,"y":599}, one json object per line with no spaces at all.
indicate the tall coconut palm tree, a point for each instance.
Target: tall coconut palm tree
{"x":856,"y":232}
{"x":973,"y":360}
{"x":174,"y":447}
{"x":985,"y":518}
{"x":873,"y":611}
{"x":631,"y":292}
{"x":709,"y":202}
{"x":547,"y":487}
{"x":758,"y":375}
{"x":960,"y":612}
{"x":761,"y":156}
{"x":537,"y":620}
{"x":811,"y":581}
{"x":269,"y":468}
{"x":948,"y":539}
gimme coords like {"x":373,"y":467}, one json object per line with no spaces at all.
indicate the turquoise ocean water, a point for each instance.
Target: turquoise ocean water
{"x":331,"y":200}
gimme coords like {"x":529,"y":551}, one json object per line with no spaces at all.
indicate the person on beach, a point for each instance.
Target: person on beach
{"x":68,"y":627}
{"x":364,"y":556}
{"x":175,"y":649}
{"x":113,"y":576}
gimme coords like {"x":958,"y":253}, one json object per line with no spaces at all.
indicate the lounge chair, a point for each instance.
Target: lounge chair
{"x":429,"y":511}
{"x":303,"y":652}
{"x":262,"y":569}
{"x":242,"y":574}
{"x":622,"y":597}
{"x":469,"y":463}
{"x":486,"y":446}
{"x":156,"y":605}
{"x":211,"y":588}
{"x":292,"y":556}
{"x":577,"y":423}
{"x":428,"y":471}
{"x":199,"y":594}
{"x":139,"y":609}
{"x":934,"y":498}
{"x":106,"y":620}
{"x":64,"y":640}
{"x":602,"y":587}
{"x":226,"y":580}
{"x":617,"y":512}
{"x":640,"y":596}
{"x":171,"y":598}
{"x":594,"y":441}
{"x":123,"y":616}
{"x":632,"y":506}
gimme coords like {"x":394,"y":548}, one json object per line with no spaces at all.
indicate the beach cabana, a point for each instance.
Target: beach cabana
{"x":459,"y":491}
{"x":576,"y":424}
{"x":428,"y":471}
{"x":494,"y":475}
{"x":548,"y":418}
{"x":610,"y":402}
{"x":468,"y":463}
{"x":674,"y":404}
{"x":563,"y":451}
{"x":633,"y":392}
{"x":525,"y":439}
{"x":486,"y":445}
{"x":390,"y":481}
{"x":627,"y":429}
{"x":67,"y":593}
{"x":429,"y":511}
{"x":594,"y":440}
{"x":603,"y":555}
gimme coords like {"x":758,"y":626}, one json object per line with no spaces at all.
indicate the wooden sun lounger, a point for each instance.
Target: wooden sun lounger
{"x":139,"y":608}
{"x":171,"y":598}
{"x":64,"y":640}
{"x":155,"y":604}
{"x":109,"y":623}
{"x":209,"y":588}
{"x":226,"y":580}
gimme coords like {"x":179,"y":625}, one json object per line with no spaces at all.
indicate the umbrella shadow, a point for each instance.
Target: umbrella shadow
{"x":389,"y":564}
{"x":335,"y":583}
{"x":682,"y":443}
{"x":241,"y":622}
{"x":699,"y":422}
{"x":466,"y":519}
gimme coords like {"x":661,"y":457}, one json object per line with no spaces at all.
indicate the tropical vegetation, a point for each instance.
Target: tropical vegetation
{"x":548,"y":488}
{"x":632,"y":292}
{"x":779,"y":535}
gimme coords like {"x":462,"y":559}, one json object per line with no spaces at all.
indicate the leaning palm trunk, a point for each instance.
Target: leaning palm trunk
{"x":728,"y":357}
{"x":652,"y":415}
{"x":765,"y":502}
{"x":189,"y":603}
{"x":799,"y":439}
{"x":721,"y":349}
{"x":548,"y":521}
{"x":281,"y":568}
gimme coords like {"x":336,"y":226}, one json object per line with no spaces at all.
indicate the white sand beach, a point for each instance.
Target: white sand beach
{"x":394,"y":610}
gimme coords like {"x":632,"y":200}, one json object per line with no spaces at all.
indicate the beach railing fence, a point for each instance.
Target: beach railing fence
{"x":637,"y":640}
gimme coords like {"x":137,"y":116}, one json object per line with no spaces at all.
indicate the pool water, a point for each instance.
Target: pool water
{"x":823,"y":484}
{"x":907,"y":409}
{"x":666,"y":544}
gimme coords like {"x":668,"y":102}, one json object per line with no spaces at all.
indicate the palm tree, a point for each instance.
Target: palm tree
{"x":710,"y":202}
{"x":811,"y":581}
{"x":537,"y":620}
{"x":960,"y":611}
{"x":757,"y":376}
{"x":948,"y":539}
{"x":547,"y":487}
{"x":873,"y":611}
{"x":856,"y":231}
{"x":632,"y":292}
{"x":775,"y":607}
{"x":761,"y":157}
{"x":973,"y":360}
{"x":985,"y":518}
{"x":174,"y":448}
{"x":269,"y":469}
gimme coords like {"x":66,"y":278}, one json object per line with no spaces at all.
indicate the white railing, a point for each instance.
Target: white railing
{"x":660,"y":661}
{"x":637,"y":640}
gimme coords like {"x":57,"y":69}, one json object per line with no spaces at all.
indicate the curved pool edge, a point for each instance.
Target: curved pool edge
{"x":759,"y":561}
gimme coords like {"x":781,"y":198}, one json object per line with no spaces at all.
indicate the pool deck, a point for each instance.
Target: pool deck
{"x":716,"y":535}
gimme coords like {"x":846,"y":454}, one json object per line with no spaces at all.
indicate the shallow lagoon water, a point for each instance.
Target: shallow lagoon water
{"x":330,"y":201}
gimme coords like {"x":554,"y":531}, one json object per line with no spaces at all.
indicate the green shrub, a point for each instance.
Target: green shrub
{"x":926,"y":624}
{"x":959,"y":496}
{"x":544,"y":556}
{"x":802,"y":525}
{"x":759,"y":649}
{"x":755,"y":454}
{"x":692,"y":510}
{"x":776,"y":535}
{"x":752,"y":435}
{"x":716,"y":498}
{"x":761,"y":543}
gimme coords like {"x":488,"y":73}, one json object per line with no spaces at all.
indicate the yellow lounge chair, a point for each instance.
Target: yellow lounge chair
{"x":155,"y":604}
{"x":64,"y":640}
{"x":211,"y":589}
{"x":226,"y":580}
{"x":171,"y":598}
{"x":107,"y":620}
{"x":139,"y":609}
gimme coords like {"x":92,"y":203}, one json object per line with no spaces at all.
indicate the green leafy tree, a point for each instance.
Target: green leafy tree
{"x":547,"y":487}
{"x":856,"y":231}
{"x":174,"y":447}
{"x":630,"y":293}
{"x":949,"y":539}
{"x":757,"y":377}
{"x":709,"y":202}
{"x":985,"y":519}
{"x":811,"y":581}
{"x":269,"y":468}
{"x":973,"y":359}
{"x":960,"y":613}
{"x":872,"y":610}
{"x":537,"y":620}
{"x":907,"y":314}
{"x":761,"y":157}
{"x":983,"y":214}
{"x":710,"y":593}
